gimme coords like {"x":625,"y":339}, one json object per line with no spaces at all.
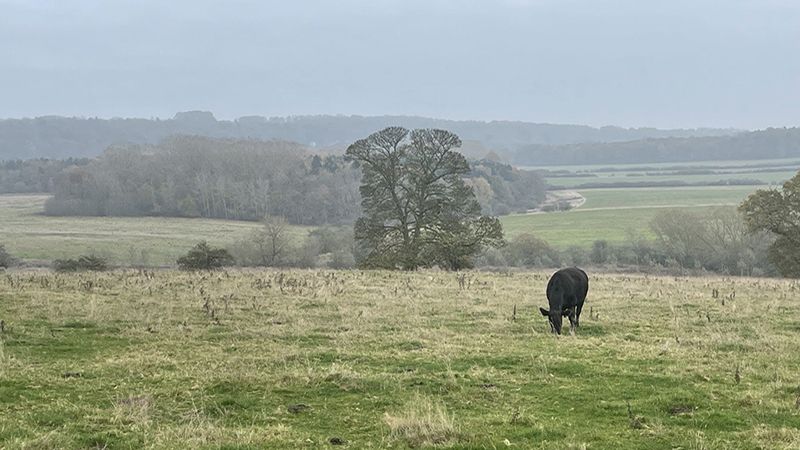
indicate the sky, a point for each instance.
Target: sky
{"x":632,"y":63}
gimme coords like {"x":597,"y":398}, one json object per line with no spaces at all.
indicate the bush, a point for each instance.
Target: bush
{"x":333,"y":246}
{"x":86,"y":262}
{"x":492,"y":257}
{"x":6,"y":260}
{"x":576,"y":256}
{"x":526,"y":250}
{"x":204,"y":257}
{"x":601,"y":252}
{"x":65,"y":265}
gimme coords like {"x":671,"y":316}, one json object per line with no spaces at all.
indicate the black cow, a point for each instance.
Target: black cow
{"x":566,"y":292}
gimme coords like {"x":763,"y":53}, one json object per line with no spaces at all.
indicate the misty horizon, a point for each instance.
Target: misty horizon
{"x":608,"y":63}
{"x":289,"y":118}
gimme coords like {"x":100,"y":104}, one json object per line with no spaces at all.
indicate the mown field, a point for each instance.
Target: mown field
{"x":148,"y":241}
{"x":676,"y":197}
{"x":609,"y":214}
{"x":767,"y":178}
{"x":309,"y":359}
{"x":582,"y":228}
{"x":731,"y":164}
{"x":766,"y":172}
{"x":616,"y":215}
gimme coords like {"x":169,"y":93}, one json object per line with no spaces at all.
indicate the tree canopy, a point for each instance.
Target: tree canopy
{"x":189,"y":176}
{"x":778,"y":211}
{"x":204,"y":257}
{"x":417,"y":209}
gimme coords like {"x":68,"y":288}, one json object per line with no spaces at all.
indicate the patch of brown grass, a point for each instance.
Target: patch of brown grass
{"x":422,"y":421}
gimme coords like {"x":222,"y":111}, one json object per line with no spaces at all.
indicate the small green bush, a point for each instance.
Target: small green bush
{"x":204,"y":257}
{"x":6,"y":260}
{"x":85,"y":262}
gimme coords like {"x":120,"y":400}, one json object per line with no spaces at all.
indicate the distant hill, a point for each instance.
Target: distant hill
{"x":62,"y":137}
{"x":771,"y":143}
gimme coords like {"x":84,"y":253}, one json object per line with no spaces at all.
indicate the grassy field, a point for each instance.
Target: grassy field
{"x":305,"y":359}
{"x":615,"y":215}
{"x":582,"y":228}
{"x":774,"y":178}
{"x":749,"y":164}
{"x":609,"y":214}
{"x":665,"y":197}
{"x":767,"y":172}
{"x":152,"y":241}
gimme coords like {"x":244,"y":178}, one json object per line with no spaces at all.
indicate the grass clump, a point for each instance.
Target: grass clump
{"x":422,"y":422}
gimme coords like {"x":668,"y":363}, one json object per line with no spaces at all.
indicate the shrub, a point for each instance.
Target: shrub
{"x":85,"y":262}
{"x":526,"y":250}
{"x":6,"y":260}
{"x":601,"y":252}
{"x":564,"y":205}
{"x":204,"y":257}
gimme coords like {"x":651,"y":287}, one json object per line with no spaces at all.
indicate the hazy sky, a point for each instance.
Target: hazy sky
{"x":664,"y":63}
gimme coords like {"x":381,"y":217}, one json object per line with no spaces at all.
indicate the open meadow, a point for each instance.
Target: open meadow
{"x":619,"y":214}
{"x":611,"y":214}
{"x":145,"y":241}
{"x":765,"y":172}
{"x":767,"y":178}
{"x":323,"y":359}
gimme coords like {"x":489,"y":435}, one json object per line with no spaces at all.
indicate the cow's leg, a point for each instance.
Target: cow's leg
{"x":572,"y":321}
{"x":578,"y":315}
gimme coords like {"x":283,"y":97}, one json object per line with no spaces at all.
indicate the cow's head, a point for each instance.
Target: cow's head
{"x":554,"y":317}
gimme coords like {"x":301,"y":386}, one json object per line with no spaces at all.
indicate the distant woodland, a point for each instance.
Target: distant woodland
{"x":34,"y":175}
{"x":765,"y":144}
{"x":62,"y":137}
{"x":187,"y":176}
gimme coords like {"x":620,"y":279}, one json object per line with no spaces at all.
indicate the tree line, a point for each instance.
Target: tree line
{"x":761,"y":239}
{"x":62,"y":137}
{"x":34,"y":175}
{"x":715,"y":241}
{"x":190,"y":176}
{"x":772,"y":143}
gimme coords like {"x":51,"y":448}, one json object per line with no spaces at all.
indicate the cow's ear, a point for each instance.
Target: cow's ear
{"x":544,"y":312}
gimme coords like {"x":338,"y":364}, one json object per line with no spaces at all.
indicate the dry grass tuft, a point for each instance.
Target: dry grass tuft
{"x":777,"y":438}
{"x":422,"y":422}
{"x":134,"y":410}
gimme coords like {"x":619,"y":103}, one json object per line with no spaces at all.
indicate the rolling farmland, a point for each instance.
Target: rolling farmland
{"x":317,"y":359}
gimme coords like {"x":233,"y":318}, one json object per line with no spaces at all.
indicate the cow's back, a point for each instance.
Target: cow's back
{"x":568,"y":283}
{"x":581,"y":282}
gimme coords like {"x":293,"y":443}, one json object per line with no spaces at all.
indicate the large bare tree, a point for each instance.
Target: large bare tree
{"x":418,"y":212}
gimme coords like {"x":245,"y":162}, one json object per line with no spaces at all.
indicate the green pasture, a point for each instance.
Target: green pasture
{"x":773,"y":178}
{"x":366,"y":359}
{"x":151,"y":241}
{"x":749,"y":164}
{"x":678,"y":197}
{"x":617,"y":215}
{"x":767,"y":172}
{"x":582,"y":228}
{"x":610,"y":214}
